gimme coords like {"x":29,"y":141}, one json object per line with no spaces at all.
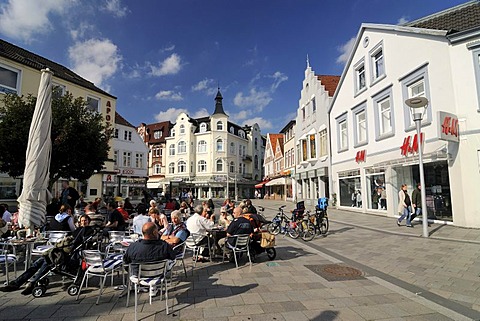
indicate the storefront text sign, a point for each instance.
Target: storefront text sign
{"x":360,"y":157}
{"x":448,"y":127}
{"x":410,"y":146}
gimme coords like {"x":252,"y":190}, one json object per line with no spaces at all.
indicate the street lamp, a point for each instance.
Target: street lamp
{"x":418,"y":107}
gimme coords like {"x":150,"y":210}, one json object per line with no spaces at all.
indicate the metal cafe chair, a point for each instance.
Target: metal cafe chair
{"x":240,"y":244}
{"x":8,"y":256}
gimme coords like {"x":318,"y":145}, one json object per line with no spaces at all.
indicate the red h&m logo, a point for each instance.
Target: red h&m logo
{"x":408,"y":148}
{"x":450,"y":126}
{"x":360,"y":157}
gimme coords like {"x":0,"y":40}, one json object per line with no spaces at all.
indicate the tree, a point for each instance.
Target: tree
{"x":79,"y":137}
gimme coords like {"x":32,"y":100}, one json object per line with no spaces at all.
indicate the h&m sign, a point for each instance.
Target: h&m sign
{"x":448,"y":127}
{"x":410,"y":146}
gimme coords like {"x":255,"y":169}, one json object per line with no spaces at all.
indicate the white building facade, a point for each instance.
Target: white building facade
{"x":289,"y":161}
{"x":373,"y":136}
{"x":213,"y":157}
{"x":311,"y":137}
{"x":130,"y":162}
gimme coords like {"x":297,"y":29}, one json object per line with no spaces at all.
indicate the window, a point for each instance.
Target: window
{"x":171,"y":168}
{"x":172,"y":149}
{"x":304,"y":149}
{"x":58,"y":91}
{"x":377,"y":68}
{"x":232,"y":148}
{"x":157,"y":134}
{"x":219,"y":145}
{"x":314,"y":105}
{"x":202,"y":146}
{"x":172,"y":133}
{"x":115,"y":135}
{"x":202,"y":166}
{"x":219,"y":125}
{"x":138,"y":160}
{"x":384,"y":115}
{"x":127,"y":135}
{"x":9,"y":80}
{"x":127,"y":159}
{"x":360,"y":83}
{"x":232,"y":130}
{"x":157,"y":169}
{"x":303,"y":113}
{"x":313,"y":149}
{"x":232,"y":167}
{"x":322,"y":148}
{"x":182,"y":129}
{"x":416,"y":84}
{"x":244,"y":151}
{"x":203,"y":128}
{"x":256,"y":143}
{"x":360,"y":124}
{"x":219,"y":165}
{"x":182,"y":167}
{"x":342,"y":132}
{"x":93,"y":103}
{"x":115,"y":157}
{"x":292,"y":157}
{"x":241,"y":133}
{"x":182,"y":147}
{"x":255,"y":161}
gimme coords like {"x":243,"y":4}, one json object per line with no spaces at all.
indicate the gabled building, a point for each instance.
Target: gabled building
{"x":289,"y":160}
{"x":130,"y":161}
{"x":212,"y":156}
{"x":20,"y":72}
{"x":153,"y":136}
{"x":274,"y":164}
{"x":373,"y":135}
{"x":312,"y":136}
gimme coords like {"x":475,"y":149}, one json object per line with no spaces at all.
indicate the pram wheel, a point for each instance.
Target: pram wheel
{"x":73,"y":289}
{"x":271,"y":253}
{"x":44,"y":281}
{"x":39,"y":291}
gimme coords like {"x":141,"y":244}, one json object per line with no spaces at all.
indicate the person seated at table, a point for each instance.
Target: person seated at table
{"x":95,"y":219}
{"x":42,"y":264}
{"x":149,"y":249}
{"x":160,"y":219}
{"x":185,"y":210}
{"x":239,"y":226}
{"x":64,"y":220}
{"x":115,"y":219}
{"x":199,"y":223}
{"x":249,"y":208}
{"x":176,"y":232}
{"x":224,"y":219}
{"x":139,"y":221}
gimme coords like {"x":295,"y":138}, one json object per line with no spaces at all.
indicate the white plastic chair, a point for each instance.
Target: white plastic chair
{"x":101,"y":267}
{"x":150,"y":274}
{"x":8,"y":256}
{"x":240,"y":244}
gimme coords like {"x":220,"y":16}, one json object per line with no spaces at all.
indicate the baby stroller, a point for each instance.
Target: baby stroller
{"x":65,"y":260}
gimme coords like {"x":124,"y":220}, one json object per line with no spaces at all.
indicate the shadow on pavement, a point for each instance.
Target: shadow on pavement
{"x":326,"y":316}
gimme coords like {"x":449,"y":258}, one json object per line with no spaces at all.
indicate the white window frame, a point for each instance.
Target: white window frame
{"x":322,"y":143}
{"x":181,"y":166}
{"x":407,"y":82}
{"x":182,"y":129}
{"x":138,"y":160}
{"x":157,"y":134}
{"x":342,"y":126}
{"x":219,"y":125}
{"x":172,"y":133}
{"x":127,"y":159}
{"x":374,"y":75}
{"x":202,"y":166}
{"x":357,"y":83}
{"x":92,"y":98}
{"x":58,"y":90}
{"x":202,"y":146}
{"x":378,"y":99}
{"x":171,"y":150}
{"x":219,"y":145}
{"x":476,"y":65}
{"x":219,"y":165}
{"x":171,"y":168}
{"x":360,"y":126}
{"x":181,"y":147}
{"x":115,"y":157}
{"x":4,"y":89}
{"x":157,"y":169}
{"x":203,"y":128}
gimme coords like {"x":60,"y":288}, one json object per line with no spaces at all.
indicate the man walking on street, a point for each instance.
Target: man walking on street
{"x":417,"y":202}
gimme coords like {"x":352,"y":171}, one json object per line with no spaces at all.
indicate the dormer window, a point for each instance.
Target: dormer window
{"x":203,"y":128}
{"x":173,"y":132}
{"x":232,"y":130}
{"x":241,"y":133}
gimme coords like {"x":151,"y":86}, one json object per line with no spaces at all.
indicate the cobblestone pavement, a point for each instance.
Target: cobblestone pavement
{"x":366,"y":268}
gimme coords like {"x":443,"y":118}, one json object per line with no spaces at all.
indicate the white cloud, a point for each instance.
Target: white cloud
{"x":95,"y":59}
{"x":241,"y":115}
{"x":202,"y":112}
{"x":278,"y":78}
{"x":170,"y":114}
{"x":402,"y":20}
{"x":169,"y":95}
{"x":115,"y":7}
{"x":169,"y":48}
{"x":207,"y":86}
{"x":345,"y":51}
{"x":170,"y":66}
{"x":258,"y":99}
{"x":23,"y":19}
{"x":80,"y":32}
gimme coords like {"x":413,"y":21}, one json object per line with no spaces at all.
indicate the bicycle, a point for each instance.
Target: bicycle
{"x":282,"y":223}
{"x":307,"y":227}
{"x":321,"y":221}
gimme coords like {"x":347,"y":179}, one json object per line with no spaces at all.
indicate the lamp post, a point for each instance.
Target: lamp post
{"x":236,"y":193}
{"x":418,"y":107}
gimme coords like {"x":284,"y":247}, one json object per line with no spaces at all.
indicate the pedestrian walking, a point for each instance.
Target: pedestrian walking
{"x":404,"y":206}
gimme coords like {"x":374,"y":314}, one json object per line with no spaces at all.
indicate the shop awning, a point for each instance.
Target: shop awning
{"x":153,"y":185}
{"x":260,"y":185}
{"x":276,"y":181}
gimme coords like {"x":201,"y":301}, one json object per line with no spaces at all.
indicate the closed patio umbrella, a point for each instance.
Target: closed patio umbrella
{"x":35,"y":194}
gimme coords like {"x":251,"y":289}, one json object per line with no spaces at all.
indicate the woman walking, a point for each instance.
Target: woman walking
{"x":404,"y":206}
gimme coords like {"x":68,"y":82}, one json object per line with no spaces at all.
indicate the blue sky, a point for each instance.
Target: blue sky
{"x":160,"y":57}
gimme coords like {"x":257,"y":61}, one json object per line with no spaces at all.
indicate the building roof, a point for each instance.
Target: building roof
{"x":330,"y":83}
{"x":164,"y":126}
{"x":459,"y":18}
{"x":273,"y":140}
{"x":288,"y":126}
{"x":27,"y":58}
{"x":218,"y":104}
{"x":122,"y":121}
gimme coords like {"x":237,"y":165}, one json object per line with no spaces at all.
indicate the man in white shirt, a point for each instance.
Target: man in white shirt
{"x":199,"y":223}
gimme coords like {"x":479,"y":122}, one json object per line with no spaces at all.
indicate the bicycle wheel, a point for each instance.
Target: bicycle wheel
{"x":274,"y":228}
{"x":294,"y":230}
{"x":308,"y":231}
{"x":324,"y":225}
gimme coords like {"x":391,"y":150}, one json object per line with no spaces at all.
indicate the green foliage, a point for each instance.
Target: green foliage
{"x":79,"y":137}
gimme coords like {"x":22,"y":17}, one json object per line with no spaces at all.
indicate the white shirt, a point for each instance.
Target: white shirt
{"x":197,"y":224}
{"x":7,"y":216}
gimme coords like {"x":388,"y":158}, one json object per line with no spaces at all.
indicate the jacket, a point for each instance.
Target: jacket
{"x":401,"y":201}
{"x":417,"y":198}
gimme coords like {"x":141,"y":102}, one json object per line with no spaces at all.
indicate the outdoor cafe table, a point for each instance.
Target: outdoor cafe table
{"x":216,"y":233}
{"x":29,"y":244}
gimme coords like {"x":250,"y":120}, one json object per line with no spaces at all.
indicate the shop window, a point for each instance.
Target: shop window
{"x":377,"y":199}
{"x":202,"y":166}
{"x":360,"y":125}
{"x":349,"y":189}
{"x":9,"y":80}
{"x":416,"y":84}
